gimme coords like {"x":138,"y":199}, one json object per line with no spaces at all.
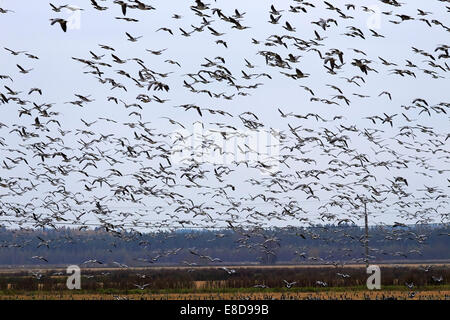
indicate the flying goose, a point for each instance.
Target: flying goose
{"x":61,"y":22}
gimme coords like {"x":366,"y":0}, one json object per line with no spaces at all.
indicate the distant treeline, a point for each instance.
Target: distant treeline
{"x":317,"y":244}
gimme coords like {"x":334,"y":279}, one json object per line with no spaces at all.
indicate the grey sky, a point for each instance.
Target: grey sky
{"x":59,"y":76}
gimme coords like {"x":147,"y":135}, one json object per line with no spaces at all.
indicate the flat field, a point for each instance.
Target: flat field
{"x":407,"y":281}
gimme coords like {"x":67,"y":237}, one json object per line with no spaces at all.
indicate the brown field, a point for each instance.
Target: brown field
{"x":346,"y":295}
{"x":213,"y":283}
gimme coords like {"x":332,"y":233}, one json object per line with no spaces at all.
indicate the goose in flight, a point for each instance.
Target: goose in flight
{"x":84,"y":98}
{"x":289,"y":284}
{"x":229,"y":271}
{"x":62,"y":23}
{"x":388,"y":119}
{"x":98,"y":7}
{"x":131,"y":38}
{"x":288,"y":27}
{"x":31,"y":56}
{"x":297,"y":75}
{"x":386,"y":93}
{"x":426,"y":268}
{"x":184,"y":33}
{"x":142,"y":287}
{"x":35,"y":90}
{"x":39,"y":258}
{"x":173,"y":62}
{"x":22,"y":70}
{"x":106,"y":47}
{"x":120,"y":265}
{"x":127,"y":19}
{"x":123,"y":6}
{"x":156,"y":52}
{"x":57,"y":9}
{"x":96,"y":57}
{"x":387,"y":63}
{"x":343,"y":275}
{"x":274,"y":20}
{"x":37,"y":275}
{"x":92,"y":261}
{"x":5,"y":10}
{"x":308,"y":89}
{"x":43,"y":242}
{"x":248,"y":64}
{"x":376,"y":34}
{"x":342,"y":97}
{"x":174,"y":122}
{"x":14,"y":53}
{"x":116,"y":59}
{"x":2,"y":76}
{"x":12,"y":92}
{"x":165,"y":29}
{"x":275,"y":11}
{"x":318,"y":37}
{"x":215,"y":33}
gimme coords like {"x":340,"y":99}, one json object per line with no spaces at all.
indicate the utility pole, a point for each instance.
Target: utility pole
{"x":366,"y":242}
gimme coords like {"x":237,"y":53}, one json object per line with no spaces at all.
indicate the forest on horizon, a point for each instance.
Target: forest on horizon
{"x":321,"y":244}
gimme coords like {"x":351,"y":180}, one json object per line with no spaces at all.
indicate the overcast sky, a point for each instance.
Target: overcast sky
{"x":60,"y":77}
